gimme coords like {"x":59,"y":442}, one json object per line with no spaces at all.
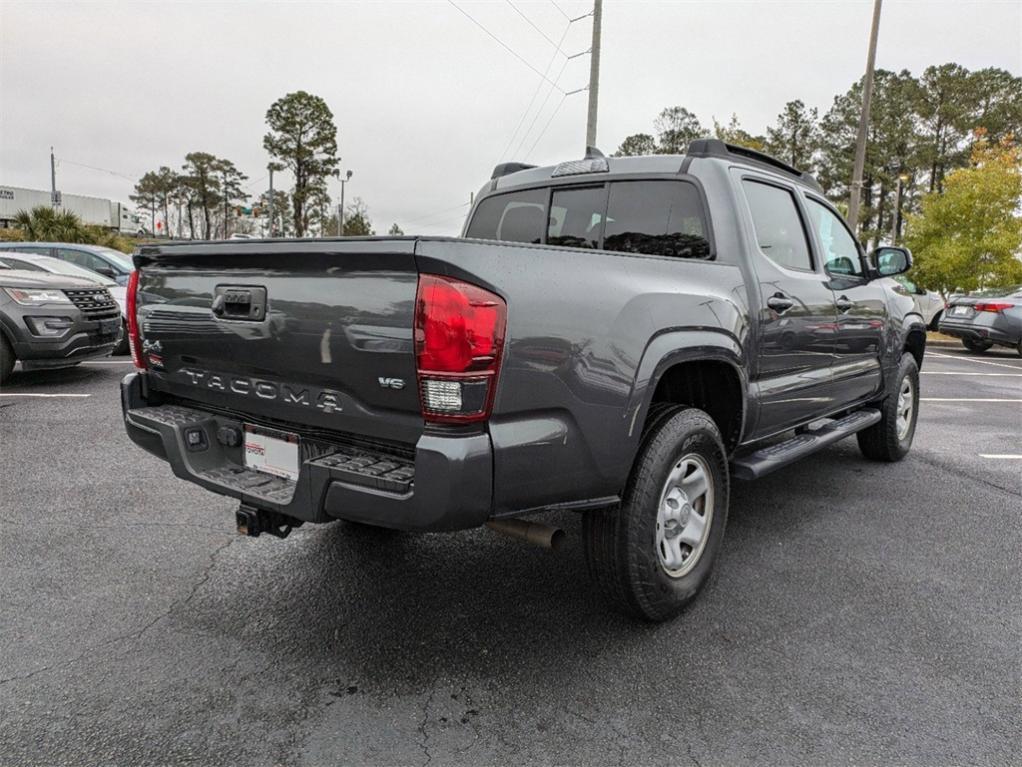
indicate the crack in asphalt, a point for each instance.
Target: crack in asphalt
{"x":424,"y":745}
{"x":951,"y":468}
{"x":133,"y":635}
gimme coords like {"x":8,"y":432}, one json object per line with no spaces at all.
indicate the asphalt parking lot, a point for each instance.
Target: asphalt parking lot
{"x":862,"y":614}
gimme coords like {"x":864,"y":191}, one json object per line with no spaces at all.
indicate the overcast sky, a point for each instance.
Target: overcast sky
{"x":425,"y":101}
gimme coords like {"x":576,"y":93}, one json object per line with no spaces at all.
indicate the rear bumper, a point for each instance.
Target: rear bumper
{"x":450,"y":487}
{"x":976,"y":332}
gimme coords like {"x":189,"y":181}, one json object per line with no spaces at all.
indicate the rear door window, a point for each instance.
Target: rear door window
{"x":661,"y":218}
{"x":576,"y":217}
{"x":514,"y":217}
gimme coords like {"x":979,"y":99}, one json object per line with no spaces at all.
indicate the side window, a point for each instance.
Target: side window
{"x":576,"y":217}
{"x":840,"y":251}
{"x":515,"y":217}
{"x":34,"y":251}
{"x":661,"y":218}
{"x":25,"y":266}
{"x":81,"y":258}
{"x":779,"y":229}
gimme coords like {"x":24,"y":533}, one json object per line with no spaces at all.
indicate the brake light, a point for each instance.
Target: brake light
{"x":992,"y":307}
{"x":134,"y":337}
{"x":459,"y":337}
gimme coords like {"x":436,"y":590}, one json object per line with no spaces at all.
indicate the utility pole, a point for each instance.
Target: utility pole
{"x":54,"y":202}
{"x":340,"y":208}
{"x":594,"y":74}
{"x":860,"y":143}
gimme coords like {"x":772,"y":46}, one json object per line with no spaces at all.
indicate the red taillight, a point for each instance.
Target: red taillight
{"x":134,"y":337}
{"x":992,"y":307}
{"x":459,"y":335}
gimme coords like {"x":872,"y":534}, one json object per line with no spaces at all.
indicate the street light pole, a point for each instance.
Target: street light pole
{"x":226,"y":233}
{"x":340,"y":208}
{"x":594,"y":75}
{"x":897,"y":210}
{"x":270,"y":168}
{"x":860,"y":143}
{"x":53,"y":180}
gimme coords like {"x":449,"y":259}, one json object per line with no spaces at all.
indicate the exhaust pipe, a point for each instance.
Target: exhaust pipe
{"x":535,"y":533}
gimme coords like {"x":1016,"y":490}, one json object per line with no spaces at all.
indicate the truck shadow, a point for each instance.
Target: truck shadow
{"x":395,"y":611}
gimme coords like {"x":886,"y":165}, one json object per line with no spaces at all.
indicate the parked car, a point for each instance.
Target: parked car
{"x":108,"y":262}
{"x":986,"y":318}
{"x":929,"y":303}
{"x":28,"y":262}
{"x":609,"y":336}
{"x":54,"y":321}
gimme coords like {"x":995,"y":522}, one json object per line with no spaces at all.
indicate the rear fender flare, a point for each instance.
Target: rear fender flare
{"x":673,"y":347}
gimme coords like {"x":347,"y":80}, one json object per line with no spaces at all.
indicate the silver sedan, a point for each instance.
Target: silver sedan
{"x":986,"y":318}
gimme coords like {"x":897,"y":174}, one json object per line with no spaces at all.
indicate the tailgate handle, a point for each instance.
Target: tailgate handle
{"x":234,"y":302}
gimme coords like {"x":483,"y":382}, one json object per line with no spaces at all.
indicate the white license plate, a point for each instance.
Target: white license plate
{"x":270,"y":451}
{"x":958,"y":311}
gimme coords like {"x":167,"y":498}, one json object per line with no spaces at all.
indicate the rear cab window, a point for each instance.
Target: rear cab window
{"x":649,"y":217}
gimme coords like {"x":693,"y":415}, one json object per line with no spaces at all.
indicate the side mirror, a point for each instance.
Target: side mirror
{"x":106,"y":271}
{"x":891,"y":260}
{"x":841,"y":265}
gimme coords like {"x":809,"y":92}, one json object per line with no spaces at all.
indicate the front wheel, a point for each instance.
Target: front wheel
{"x":651,"y":555}
{"x":976,"y":346}
{"x":891,"y":438}
{"x":7,"y":360}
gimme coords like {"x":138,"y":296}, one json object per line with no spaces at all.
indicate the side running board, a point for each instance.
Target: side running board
{"x":765,"y":460}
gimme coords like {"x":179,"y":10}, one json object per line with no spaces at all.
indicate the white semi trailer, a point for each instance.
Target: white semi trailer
{"x":91,"y":210}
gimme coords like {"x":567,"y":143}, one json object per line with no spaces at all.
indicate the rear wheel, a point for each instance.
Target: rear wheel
{"x":976,"y":346}
{"x":935,"y":322}
{"x":7,"y":360}
{"x":651,"y":555}
{"x":891,"y":438}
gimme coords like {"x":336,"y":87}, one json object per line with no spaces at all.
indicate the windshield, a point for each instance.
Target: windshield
{"x":123,"y":261}
{"x":57,"y":266}
{"x":1015,"y":291}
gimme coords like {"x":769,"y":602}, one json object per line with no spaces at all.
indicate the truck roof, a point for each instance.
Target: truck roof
{"x":515,"y":174}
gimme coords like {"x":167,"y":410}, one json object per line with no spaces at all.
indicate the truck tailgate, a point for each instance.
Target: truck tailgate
{"x":317,"y":334}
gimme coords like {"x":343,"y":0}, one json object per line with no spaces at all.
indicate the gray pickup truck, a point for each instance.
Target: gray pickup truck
{"x":618,"y":337}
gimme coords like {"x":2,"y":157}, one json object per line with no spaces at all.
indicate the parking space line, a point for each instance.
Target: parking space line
{"x":108,"y":362}
{"x":971,"y":359}
{"x":1001,"y":457}
{"x":966,"y":373}
{"x":34,"y":394}
{"x":966,"y":399}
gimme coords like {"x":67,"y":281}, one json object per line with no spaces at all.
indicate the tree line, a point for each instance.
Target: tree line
{"x":202,"y":198}
{"x":921,"y":128}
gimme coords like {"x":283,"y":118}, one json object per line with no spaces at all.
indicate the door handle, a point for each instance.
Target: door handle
{"x":780,"y":303}
{"x":843,"y":304}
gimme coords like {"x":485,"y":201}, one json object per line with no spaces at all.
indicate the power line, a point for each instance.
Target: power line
{"x":535,"y":93}
{"x":531,"y":24}
{"x":560,"y":10}
{"x":539,"y":111}
{"x":552,"y":116}
{"x":93,"y":167}
{"x":502,"y":44}
{"x":438,"y":212}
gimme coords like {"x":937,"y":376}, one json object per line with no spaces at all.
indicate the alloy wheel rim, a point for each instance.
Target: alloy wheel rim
{"x":906,"y":405}
{"x":684,"y":515}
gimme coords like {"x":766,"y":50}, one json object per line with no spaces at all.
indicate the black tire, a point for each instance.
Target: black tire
{"x":123,"y":347}
{"x":881,"y":442}
{"x":1018,"y":348}
{"x":621,"y":543}
{"x":976,"y":346}
{"x":935,"y":322}
{"x":7,"y":360}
